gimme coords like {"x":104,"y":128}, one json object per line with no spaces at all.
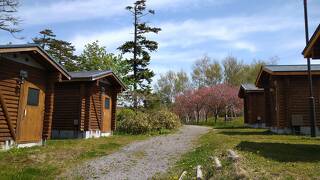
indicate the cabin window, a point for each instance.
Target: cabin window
{"x":33,"y":97}
{"x":107,"y":103}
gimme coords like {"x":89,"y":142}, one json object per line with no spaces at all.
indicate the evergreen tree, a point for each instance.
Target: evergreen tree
{"x":60,"y":50}
{"x":140,"y":76}
{"x":46,"y":37}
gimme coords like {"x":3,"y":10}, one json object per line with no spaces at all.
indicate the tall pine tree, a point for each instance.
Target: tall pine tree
{"x":60,"y":50}
{"x":140,"y":76}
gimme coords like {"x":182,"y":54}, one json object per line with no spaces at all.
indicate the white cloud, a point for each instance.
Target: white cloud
{"x":245,"y":46}
{"x":75,"y":10}
{"x":66,"y":10}
{"x":110,"y":39}
{"x":230,"y":33}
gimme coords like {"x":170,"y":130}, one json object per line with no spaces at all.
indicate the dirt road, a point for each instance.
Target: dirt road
{"x":142,"y":160}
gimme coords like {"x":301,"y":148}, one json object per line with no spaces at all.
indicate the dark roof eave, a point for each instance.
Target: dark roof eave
{"x":56,"y":64}
{"x":311,"y":42}
{"x":97,"y":77}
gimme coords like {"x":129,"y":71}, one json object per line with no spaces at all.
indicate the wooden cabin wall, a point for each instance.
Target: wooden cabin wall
{"x":49,"y":104}
{"x":95,"y":111}
{"x":67,"y":106}
{"x":96,"y":106}
{"x":270,"y":94}
{"x":255,"y":107}
{"x":245,"y":109}
{"x":114,"y":93}
{"x":290,"y":97}
{"x":10,"y":90}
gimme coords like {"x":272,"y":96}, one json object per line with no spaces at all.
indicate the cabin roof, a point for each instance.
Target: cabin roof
{"x":312,"y":49}
{"x":285,"y":70}
{"x":291,"y":68}
{"x":94,"y":75}
{"x":248,"y":88}
{"x":14,"y":48}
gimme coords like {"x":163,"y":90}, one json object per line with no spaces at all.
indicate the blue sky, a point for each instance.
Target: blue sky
{"x":247,"y":29}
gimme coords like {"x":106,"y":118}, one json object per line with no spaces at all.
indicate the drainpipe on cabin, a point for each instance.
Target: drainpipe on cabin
{"x":312,"y":111}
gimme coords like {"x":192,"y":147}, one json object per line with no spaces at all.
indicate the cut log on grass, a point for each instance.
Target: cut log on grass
{"x":199,"y":173}
{"x":184,"y":173}
{"x":217,"y":163}
{"x":241,"y":173}
{"x":233,"y":155}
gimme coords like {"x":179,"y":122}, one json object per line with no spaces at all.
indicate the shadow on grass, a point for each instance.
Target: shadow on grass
{"x":231,"y":127}
{"x":245,"y":133}
{"x":283,"y":152}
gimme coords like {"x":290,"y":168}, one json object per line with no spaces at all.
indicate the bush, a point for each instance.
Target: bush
{"x":164,"y":119}
{"x":139,"y":122}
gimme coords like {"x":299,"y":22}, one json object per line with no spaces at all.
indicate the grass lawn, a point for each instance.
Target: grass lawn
{"x":48,"y":161}
{"x":263,"y":155}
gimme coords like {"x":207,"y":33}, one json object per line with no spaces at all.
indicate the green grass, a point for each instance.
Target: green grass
{"x":263,"y":155}
{"x":49,"y":161}
{"x":220,"y":123}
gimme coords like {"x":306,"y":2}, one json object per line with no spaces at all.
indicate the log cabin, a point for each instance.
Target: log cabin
{"x":253,"y":101}
{"x":85,"y":106}
{"x":286,"y":97}
{"x":312,"y":50}
{"x":27,"y":78}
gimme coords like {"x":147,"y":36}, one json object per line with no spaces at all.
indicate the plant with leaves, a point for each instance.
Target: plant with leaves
{"x":45,"y":39}
{"x":140,"y":75}
{"x":60,"y":50}
{"x":170,"y":84}
{"x":206,"y":72}
{"x":252,"y":70}
{"x":233,"y":71}
{"x":95,"y":57}
{"x":9,"y":22}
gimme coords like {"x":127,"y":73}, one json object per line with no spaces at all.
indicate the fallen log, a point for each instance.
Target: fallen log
{"x":199,"y":173}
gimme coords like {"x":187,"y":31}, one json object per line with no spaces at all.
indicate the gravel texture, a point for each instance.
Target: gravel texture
{"x":143,"y":159}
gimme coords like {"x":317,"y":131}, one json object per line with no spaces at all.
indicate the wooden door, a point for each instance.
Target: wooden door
{"x":107,"y":109}
{"x":31,"y":113}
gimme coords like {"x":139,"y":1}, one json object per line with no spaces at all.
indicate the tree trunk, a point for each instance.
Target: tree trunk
{"x":135,"y":100}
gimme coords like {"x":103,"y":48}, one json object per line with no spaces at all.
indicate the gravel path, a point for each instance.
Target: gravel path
{"x":143,"y":159}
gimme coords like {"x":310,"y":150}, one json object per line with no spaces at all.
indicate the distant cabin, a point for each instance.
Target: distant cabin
{"x":85,"y":106}
{"x":27,"y":78}
{"x":254,"y":109}
{"x":286,"y":97}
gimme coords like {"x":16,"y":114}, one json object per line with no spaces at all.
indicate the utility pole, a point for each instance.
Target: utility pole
{"x":312,"y":112}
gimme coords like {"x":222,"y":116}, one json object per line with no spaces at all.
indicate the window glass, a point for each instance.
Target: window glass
{"x":33,"y":97}
{"x":107,"y":103}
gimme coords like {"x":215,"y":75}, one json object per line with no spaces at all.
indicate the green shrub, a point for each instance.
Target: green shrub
{"x":164,"y":119}
{"x":139,"y":122}
{"x":133,"y":123}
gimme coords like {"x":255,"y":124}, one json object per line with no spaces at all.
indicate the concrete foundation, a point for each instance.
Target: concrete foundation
{"x":257,"y":125}
{"x":11,"y":144}
{"x":69,"y":134}
{"x":304,"y":130}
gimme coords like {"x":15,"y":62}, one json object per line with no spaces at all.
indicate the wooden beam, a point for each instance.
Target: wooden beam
{"x":6,"y":114}
{"x":95,"y":110}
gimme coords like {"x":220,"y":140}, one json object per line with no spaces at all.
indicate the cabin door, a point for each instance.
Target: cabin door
{"x":31,"y":113}
{"x":107,"y":104}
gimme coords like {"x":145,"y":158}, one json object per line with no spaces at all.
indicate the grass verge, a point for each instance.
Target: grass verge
{"x":48,"y":161}
{"x":263,"y":155}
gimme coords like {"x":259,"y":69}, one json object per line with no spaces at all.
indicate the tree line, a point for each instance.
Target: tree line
{"x":134,"y":71}
{"x":208,"y":72}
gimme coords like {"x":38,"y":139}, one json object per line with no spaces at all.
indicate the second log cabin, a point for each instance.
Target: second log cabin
{"x":253,"y":98}
{"x":85,"y":106}
{"x":286,"y":97}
